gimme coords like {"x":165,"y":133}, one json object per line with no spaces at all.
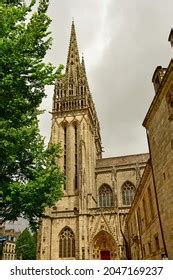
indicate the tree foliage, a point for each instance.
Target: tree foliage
{"x":29,"y":177}
{"x":26,"y":246}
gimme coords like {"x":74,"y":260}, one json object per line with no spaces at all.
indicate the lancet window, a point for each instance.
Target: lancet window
{"x":105,"y":196}
{"x":65,"y":152}
{"x":128,"y":193}
{"x":76,"y":140}
{"x":66,"y":243}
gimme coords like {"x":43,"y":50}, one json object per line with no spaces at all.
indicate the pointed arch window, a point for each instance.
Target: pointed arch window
{"x":128,"y":193}
{"x":66,"y":243}
{"x":65,"y":150}
{"x":105,"y":196}
{"x":76,"y":157}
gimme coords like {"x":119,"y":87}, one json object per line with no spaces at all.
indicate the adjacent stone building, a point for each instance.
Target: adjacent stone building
{"x":89,"y":222}
{"x":150,"y":220}
{"x":143,"y":221}
{"x":8,"y":239}
{"x":159,"y":126}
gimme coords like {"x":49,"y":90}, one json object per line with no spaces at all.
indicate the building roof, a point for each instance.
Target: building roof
{"x":122,"y":160}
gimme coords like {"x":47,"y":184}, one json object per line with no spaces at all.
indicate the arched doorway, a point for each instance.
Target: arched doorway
{"x":104,"y":247}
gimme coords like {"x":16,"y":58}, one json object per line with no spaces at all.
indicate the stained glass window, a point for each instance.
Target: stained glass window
{"x":66,"y":243}
{"x":105,"y":196}
{"x":128,"y":193}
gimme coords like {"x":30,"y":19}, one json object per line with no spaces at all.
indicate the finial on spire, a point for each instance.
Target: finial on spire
{"x":170,"y":39}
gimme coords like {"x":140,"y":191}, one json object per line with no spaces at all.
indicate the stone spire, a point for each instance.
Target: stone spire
{"x":72,"y":95}
{"x":73,"y":53}
{"x":84,"y":71}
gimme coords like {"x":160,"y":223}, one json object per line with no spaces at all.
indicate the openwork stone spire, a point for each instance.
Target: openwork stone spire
{"x":73,"y":53}
{"x":72,"y":92}
{"x":72,"y":96}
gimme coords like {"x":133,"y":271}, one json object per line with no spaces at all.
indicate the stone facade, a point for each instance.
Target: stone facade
{"x":143,"y":221}
{"x":150,"y":222}
{"x":159,"y":126}
{"x":89,"y":222}
{"x":8,"y":239}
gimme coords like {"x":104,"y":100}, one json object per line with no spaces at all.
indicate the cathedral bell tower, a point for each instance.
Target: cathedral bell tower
{"x":75,"y":126}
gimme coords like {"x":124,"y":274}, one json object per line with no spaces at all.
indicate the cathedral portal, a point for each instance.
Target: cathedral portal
{"x":104,"y":246}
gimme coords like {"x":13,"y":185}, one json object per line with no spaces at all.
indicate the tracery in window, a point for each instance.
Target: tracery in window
{"x":66,"y":243}
{"x":128,"y":193}
{"x":105,"y":196}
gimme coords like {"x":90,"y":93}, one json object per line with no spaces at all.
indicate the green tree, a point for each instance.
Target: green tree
{"x":26,"y":246}
{"x":29,"y":177}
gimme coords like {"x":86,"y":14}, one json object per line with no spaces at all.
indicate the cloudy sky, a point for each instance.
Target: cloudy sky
{"x":122,"y":41}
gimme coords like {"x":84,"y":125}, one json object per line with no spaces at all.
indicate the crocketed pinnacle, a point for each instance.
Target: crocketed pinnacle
{"x":73,"y":53}
{"x":83,"y":63}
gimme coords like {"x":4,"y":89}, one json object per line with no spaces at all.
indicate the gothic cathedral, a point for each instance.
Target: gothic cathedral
{"x":89,"y":221}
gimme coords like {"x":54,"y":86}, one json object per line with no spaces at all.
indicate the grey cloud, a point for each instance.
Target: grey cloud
{"x":122,"y":80}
